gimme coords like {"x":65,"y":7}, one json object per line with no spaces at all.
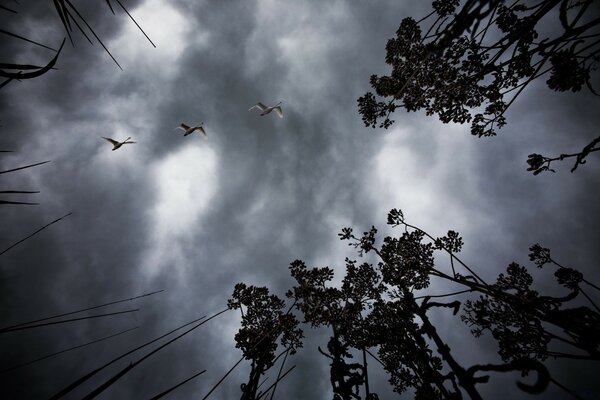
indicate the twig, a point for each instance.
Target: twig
{"x":445,"y":295}
{"x":135,"y":22}
{"x":275,"y":383}
{"x":66,"y":350}
{"x":162,"y":394}
{"x":278,"y":374}
{"x":22,"y":328}
{"x":84,"y":378}
{"x":25,"y":39}
{"x":18,"y":203}
{"x":82,"y":310}
{"x":34,"y":233}
{"x":20,"y":168}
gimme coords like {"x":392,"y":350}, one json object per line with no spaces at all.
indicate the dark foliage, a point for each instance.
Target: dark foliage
{"x":470,"y":64}
{"x":264,"y":321}
{"x":539,"y":163}
{"x":377,"y":307}
{"x":72,"y":20}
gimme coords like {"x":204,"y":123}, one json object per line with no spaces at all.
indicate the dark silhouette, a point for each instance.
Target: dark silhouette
{"x":470,"y":65}
{"x":34,"y":233}
{"x":35,"y":321}
{"x":116,"y":144}
{"x":539,"y":163}
{"x":164,"y":393}
{"x":263,"y":323}
{"x":198,"y":322}
{"x":71,"y":19}
{"x":375,"y":307}
{"x":56,"y":353}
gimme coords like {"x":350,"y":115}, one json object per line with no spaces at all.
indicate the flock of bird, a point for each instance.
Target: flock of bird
{"x":188,"y":130}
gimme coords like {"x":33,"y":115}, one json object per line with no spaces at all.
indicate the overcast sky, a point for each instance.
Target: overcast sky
{"x":195,"y":216}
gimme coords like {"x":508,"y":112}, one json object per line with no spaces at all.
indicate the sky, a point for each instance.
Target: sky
{"x":193,"y":217}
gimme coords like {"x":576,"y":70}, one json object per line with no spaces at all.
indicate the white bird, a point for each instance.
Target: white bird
{"x":190,"y":129}
{"x":116,"y":144}
{"x":265,"y":110}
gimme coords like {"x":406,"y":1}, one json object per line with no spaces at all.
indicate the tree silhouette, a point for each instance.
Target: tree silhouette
{"x":387,"y":306}
{"x":263,"y":322}
{"x":539,"y":163}
{"x":341,"y":310}
{"x":471,"y":64}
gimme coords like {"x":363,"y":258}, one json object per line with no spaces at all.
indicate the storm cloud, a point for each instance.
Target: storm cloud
{"x":194,"y":217}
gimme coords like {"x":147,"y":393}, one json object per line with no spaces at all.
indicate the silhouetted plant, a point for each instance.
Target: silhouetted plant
{"x":196,"y":324}
{"x":6,"y":202}
{"x":472,"y":62}
{"x":341,"y":310}
{"x":517,"y":316}
{"x":377,"y":307}
{"x":71,"y":19}
{"x":264,"y":321}
{"x":539,"y":163}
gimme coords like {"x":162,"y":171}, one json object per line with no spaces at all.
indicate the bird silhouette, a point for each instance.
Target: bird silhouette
{"x":116,"y":144}
{"x":190,"y":129}
{"x":266,"y":110}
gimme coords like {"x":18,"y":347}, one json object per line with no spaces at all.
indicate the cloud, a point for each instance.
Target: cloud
{"x":195,"y":217}
{"x":185,"y":183}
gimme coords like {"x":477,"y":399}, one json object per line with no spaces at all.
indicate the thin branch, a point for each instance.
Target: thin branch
{"x":445,"y":295}
{"x":267,"y":334}
{"x":82,"y":310}
{"x":449,"y":252}
{"x":135,"y":22}
{"x":24,"y":167}
{"x":34,"y":233}
{"x":162,"y":394}
{"x":223,"y":378}
{"x":365,"y":372}
{"x":7,"y":9}
{"x":287,"y":352}
{"x":84,"y":378}
{"x":41,"y":71}
{"x":110,"y":6}
{"x":275,"y":383}
{"x":66,"y":350}
{"x":22,"y":328}
{"x":25,"y":39}
{"x":93,"y":33}
{"x":18,"y":203}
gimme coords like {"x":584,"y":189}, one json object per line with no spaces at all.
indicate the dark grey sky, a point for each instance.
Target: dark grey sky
{"x":195,"y":217}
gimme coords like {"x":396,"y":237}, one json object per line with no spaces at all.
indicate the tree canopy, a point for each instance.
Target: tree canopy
{"x":386,"y":307}
{"x":469,"y":64}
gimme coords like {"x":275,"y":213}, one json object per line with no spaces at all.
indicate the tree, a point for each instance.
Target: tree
{"x":471,"y":65}
{"x":387,"y":307}
{"x":262,"y":324}
{"x":341,"y":310}
{"x":539,"y":163}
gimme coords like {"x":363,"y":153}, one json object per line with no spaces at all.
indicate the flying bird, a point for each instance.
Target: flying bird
{"x":116,"y":144}
{"x":190,"y":129}
{"x":266,"y":110}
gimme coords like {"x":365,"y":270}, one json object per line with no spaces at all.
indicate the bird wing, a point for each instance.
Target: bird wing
{"x":202,"y":132}
{"x":114,"y":142}
{"x":183,"y":126}
{"x":259,"y":105}
{"x":278,"y":111}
